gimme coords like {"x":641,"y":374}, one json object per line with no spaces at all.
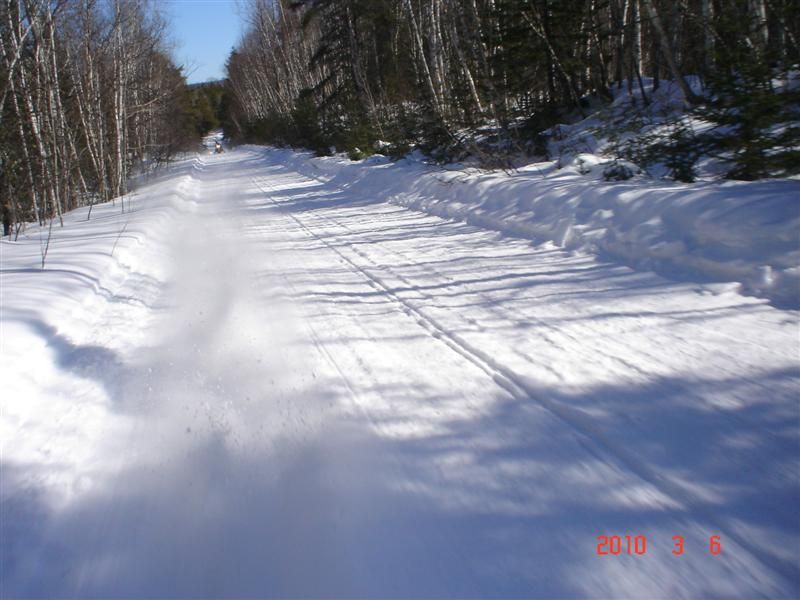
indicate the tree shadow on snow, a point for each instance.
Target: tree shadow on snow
{"x":505,"y":501}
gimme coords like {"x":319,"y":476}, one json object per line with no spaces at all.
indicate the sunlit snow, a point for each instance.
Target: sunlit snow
{"x":270,"y":376}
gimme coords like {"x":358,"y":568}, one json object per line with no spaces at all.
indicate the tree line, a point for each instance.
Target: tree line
{"x":88,"y":92}
{"x":442,"y":74}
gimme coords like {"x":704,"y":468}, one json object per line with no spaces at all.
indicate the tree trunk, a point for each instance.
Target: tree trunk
{"x":666,"y":51}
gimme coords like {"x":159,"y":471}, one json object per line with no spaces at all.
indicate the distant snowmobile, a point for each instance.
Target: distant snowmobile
{"x":217,"y":147}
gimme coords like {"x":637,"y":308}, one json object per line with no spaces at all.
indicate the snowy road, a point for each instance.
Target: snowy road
{"x":311,"y":393}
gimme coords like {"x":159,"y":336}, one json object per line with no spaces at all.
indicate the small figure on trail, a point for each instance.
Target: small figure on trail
{"x":217,"y":147}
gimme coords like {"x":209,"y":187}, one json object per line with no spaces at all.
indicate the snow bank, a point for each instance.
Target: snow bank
{"x":90,"y":258}
{"x":744,"y":232}
{"x":63,"y":330}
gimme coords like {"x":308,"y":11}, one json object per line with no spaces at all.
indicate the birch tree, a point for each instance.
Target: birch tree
{"x":88,"y":94}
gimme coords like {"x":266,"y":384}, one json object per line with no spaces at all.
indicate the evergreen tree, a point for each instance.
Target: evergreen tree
{"x":754,"y":103}
{"x":487,"y":76}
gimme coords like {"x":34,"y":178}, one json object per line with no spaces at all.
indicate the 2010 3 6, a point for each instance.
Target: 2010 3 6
{"x":637,"y":545}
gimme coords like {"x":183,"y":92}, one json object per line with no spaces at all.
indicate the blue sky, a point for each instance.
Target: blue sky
{"x":204,"y":32}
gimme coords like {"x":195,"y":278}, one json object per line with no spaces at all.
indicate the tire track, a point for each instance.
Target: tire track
{"x":520,"y":390}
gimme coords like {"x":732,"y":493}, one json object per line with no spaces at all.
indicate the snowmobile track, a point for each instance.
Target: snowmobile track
{"x":514,"y":384}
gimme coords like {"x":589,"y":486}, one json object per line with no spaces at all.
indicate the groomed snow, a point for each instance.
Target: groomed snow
{"x":269,"y":377}
{"x":740,"y":232}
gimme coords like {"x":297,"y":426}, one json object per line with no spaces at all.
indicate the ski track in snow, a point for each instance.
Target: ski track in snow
{"x":276,"y":387}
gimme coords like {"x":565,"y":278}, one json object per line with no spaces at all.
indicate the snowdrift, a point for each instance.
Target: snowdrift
{"x":742,"y":232}
{"x":89,"y":264}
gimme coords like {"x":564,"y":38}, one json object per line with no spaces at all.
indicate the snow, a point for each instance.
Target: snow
{"x":281,"y":376}
{"x":738,"y":232}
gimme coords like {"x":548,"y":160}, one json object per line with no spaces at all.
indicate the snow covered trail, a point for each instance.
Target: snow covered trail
{"x":293,"y":390}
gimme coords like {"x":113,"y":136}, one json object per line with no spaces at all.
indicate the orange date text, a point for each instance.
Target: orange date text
{"x":636,"y":545}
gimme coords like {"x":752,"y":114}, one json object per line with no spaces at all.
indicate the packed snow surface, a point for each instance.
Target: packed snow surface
{"x":269,"y":376}
{"x":732,"y":231}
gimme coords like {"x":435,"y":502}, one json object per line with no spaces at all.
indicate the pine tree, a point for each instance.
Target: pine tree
{"x":754,"y":104}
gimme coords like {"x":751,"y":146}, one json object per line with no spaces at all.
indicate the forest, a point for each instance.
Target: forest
{"x":489,"y":78}
{"x":89,"y":95}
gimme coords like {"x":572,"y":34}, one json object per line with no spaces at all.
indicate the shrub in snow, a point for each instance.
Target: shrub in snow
{"x":671,"y":145}
{"x":399,"y":150}
{"x":755,"y":110}
{"x":680,"y":152}
{"x":356,"y":154}
{"x":620,"y":170}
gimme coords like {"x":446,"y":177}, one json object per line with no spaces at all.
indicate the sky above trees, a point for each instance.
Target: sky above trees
{"x":204,"y":32}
